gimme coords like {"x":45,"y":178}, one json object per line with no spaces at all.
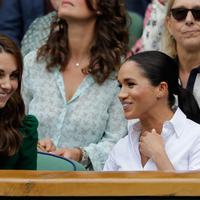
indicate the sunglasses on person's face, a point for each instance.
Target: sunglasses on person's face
{"x":180,"y":14}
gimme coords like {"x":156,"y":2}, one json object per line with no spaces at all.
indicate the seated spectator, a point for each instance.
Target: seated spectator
{"x":182,"y":41}
{"x":69,"y":83}
{"x":39,"y":30}
{"x":17,"y":15}
{"x":138,"y":6}
{"x":18,"y":143}
{"x":165,"y":137}
{"x":153,"y":27}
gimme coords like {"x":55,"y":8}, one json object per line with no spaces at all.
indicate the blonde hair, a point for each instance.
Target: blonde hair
{"x":168,"y":41}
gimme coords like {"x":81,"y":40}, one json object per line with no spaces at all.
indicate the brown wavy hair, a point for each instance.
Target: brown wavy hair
{"x":13,"y":113}
{"x":110,"y":45}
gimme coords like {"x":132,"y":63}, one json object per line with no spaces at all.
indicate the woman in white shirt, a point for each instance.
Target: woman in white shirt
{"x":165,"y":137}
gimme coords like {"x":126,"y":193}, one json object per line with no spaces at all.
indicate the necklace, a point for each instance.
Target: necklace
{"x":77,"y":64}
{"x":81,"y":63}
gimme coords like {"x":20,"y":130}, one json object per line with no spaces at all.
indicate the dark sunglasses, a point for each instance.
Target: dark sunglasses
{"x":180,"y":14}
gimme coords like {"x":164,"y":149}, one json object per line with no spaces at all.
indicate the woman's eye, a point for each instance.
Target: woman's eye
{"x":14,"y":76}
{"x":1,"y":74}
{"x":131,"y":85}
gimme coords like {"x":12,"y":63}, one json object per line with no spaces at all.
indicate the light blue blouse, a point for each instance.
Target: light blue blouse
{"x":37,"y":33}
{"x":92,"y":119}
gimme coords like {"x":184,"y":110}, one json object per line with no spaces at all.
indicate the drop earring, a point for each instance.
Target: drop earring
{"x":98,"y":12}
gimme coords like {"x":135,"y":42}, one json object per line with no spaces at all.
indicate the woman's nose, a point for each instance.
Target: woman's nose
{"x":189,"y":18}
{"x":122,"y":94}
{"x":6,"y":84}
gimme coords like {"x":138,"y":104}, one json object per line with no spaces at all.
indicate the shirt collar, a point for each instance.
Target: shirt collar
{"x":198,"y":69}
{"x":176,"y":123}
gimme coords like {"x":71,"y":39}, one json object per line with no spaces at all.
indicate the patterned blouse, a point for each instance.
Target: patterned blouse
{"x":37,"y":34}
{"x":153,"y":27}
{"x":92,"y":119}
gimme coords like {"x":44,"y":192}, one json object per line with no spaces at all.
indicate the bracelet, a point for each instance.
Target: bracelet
{"x":84,"y":156}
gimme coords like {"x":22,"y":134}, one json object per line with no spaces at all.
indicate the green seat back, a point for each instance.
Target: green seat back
{"x":47,"y":161}
{"x":135,"y":27}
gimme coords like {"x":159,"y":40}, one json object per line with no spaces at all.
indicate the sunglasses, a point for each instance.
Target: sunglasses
{"x":180,"y":14}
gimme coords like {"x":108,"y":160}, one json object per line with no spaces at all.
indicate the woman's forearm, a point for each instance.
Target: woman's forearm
{"x":162,"y":162}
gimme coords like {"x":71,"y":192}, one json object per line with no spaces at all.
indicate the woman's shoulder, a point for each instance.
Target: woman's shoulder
{"x":30,"y":121}
{"x":30,"y":58}
{"x":29,"y":126}
{"x":111,"y":80}
{"x":32,"y":64}
{"x":195,"y":127}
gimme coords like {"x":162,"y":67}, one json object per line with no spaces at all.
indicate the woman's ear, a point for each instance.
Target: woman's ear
{"x":168,"y":24}
{"x":162,"y":90}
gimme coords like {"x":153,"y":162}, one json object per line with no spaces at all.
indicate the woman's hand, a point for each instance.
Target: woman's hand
{"x":151,"y":144}
{"x":46,"y":145}
{"x":71,"y":153}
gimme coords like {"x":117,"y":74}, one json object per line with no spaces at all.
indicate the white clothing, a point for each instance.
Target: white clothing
{"x":182,"y":144}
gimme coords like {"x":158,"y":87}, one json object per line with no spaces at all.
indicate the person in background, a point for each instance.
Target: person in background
{"x":138,"y":6}
{"x":18,"y":138}
{"x":166,"y":137}
{"x":154,"y":23}
{"x":39,"y":30}
{"x":17,"y":15}
{"x":69,"y":83}
{"x":182,"y":41}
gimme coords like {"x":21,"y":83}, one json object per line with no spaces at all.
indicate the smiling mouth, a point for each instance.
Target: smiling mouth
{"x":4,"y":98}
{"x":126,"y":106}
{"x":189,"y":32}
{"x":3,"y":95}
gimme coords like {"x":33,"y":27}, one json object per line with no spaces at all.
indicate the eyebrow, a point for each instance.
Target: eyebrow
{"x":126,"y":80}
{"x":129,"y":79}
{"x":15,"y":71}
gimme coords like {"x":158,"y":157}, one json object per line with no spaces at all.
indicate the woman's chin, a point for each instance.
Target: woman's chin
{"x":130,"y":116}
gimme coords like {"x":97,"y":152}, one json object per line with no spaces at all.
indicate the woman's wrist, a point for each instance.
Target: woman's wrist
{"x":84,"y":158}
{"x":162,"y":161}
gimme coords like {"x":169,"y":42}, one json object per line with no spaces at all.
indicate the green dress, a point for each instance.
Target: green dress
{"x":26,"y":157}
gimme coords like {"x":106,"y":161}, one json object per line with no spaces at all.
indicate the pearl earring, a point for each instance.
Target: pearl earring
{"x":98,"y":12}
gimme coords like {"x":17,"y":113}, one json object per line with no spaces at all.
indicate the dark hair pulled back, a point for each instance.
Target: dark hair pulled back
{"x":159,"y":67}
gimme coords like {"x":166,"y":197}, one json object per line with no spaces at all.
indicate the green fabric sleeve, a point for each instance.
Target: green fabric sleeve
{"x":28,"y":151}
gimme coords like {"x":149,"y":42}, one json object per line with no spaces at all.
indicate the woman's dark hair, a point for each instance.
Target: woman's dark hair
{"x":110,"y":45}
{"x":158,"y":67}
{"x":12,"y":114}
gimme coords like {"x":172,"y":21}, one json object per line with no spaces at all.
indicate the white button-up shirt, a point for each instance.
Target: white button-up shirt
{"x":182,"y":144}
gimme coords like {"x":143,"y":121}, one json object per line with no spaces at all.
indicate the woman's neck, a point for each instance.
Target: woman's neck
{"x":155,"y":119}
{"x":81,"y":38}
{"x":188,"y":60}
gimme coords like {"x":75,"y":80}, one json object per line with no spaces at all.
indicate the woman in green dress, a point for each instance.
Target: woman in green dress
{"x":18,"y":133}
